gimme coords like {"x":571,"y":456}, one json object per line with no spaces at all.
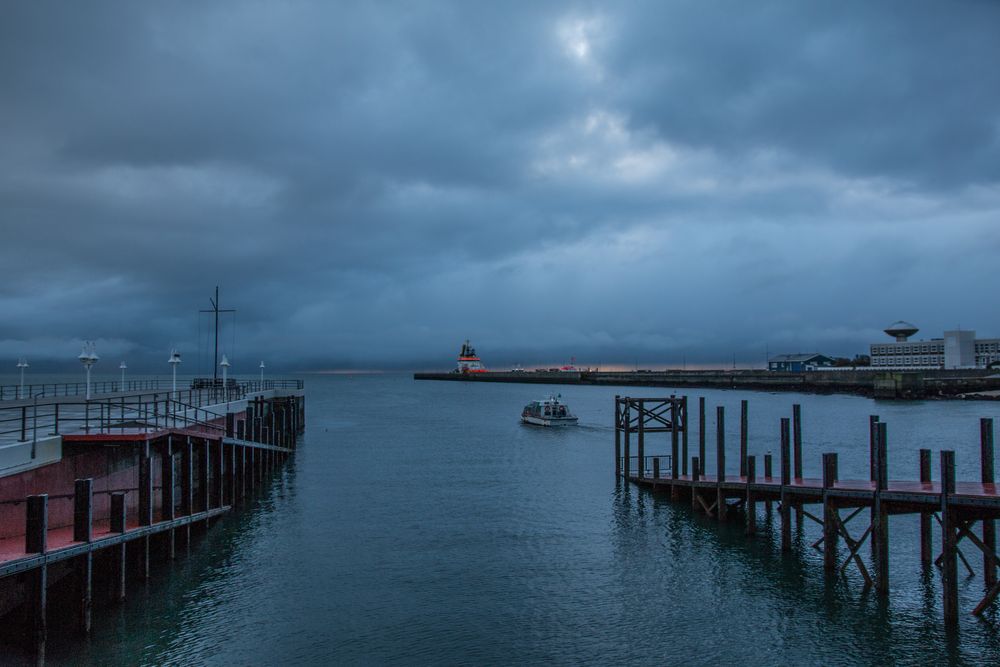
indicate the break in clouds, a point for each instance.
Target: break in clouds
{"x":370,"y":184}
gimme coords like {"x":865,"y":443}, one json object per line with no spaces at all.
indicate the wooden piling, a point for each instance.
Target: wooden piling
{"x":231,"y":474}
{"x":872,"y":438}
{"x":118,"y":525}
{"x":751,"y":504}
{"x":83,"y":510}
{"x":720,"y":461}
{"x":36,"y":591}
{"x":167,"y":493}
{"x":767,"y":475}
{"x":83,"y":519}
{"x":926,"y":537}
{"x":786,"y":475}
{"x":830,"y":516}
{"x":880,"y":515}
{"x":675,"y":458}
{"x":797,"y":455}
{"x":204,"y":465}
{"x":695,"y":476}
{"x":618,"y":437}
{"x":220,"y":472}
{"x":627,"y":423}
{"x":701,"y":430}
{"x":684,"y":435}
{"x":642,"y":440}
{"x":656,"y":467}
{"x":145,"y":491}
{"x":949,"y":541}
{"x":744,"y":407}
{"x":989,"y":525}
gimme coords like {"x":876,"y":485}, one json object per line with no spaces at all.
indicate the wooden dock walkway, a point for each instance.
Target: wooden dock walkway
{"x":955,"y":506}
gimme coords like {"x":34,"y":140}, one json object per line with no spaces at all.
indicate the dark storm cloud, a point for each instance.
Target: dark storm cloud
{"x":370,"y":184}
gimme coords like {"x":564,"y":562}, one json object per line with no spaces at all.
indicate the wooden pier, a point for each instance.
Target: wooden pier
{"x":955,"y":506}
{"x":159,"y":471}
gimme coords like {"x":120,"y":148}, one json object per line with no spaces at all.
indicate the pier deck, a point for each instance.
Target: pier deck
{"x":127,"y":475}
{"x":955,"y":506}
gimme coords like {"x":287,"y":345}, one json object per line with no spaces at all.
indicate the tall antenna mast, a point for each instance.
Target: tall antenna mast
{"x":215,"y":309}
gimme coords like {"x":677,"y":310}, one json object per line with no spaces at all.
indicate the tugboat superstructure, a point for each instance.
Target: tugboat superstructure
{"x":468,"y":362}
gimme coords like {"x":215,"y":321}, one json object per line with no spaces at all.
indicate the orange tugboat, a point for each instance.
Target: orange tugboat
{"x":468,"y":362}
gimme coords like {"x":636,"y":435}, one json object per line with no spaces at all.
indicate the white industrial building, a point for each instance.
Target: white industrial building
{"x":957,"y":349}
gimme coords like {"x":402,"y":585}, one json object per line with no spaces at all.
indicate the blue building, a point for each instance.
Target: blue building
{"x":799,"y":362}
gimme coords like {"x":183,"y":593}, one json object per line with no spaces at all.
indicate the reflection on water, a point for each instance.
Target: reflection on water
{"x":420,"y":522}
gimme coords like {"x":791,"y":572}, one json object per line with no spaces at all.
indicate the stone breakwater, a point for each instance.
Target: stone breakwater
{"x":924,"y":384}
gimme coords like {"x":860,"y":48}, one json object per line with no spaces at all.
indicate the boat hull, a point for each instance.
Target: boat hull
{"x":549,"y":421}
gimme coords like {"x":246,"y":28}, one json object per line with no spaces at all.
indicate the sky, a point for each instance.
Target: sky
{"x":369,"y":184}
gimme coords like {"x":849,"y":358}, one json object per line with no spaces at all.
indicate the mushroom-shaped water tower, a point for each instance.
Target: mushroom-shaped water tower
{"x":901,"y":330}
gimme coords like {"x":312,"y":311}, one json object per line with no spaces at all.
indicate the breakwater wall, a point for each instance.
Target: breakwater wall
{"x":875,"y":383}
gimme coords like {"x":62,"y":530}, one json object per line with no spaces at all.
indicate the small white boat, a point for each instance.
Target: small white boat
{"x":549,"y":412}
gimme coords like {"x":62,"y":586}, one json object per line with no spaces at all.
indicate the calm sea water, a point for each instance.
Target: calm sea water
{"x":421,"y":523}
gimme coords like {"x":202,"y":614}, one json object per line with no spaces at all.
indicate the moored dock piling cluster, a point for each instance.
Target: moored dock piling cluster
{"x":133,"y":478}
{"x":956,"y":506}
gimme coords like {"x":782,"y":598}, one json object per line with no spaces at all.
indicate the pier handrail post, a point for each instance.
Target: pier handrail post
{"x":829,"y":512}
{"x":949,"y":542}
{"x":656,"y":467}
{"x":751,"y":504}
{"x":744,"y":409}
{"x":720,"y":461}
{"x":786,"y":474}
{"x":926,"y":544}
{"x":989,"y":525}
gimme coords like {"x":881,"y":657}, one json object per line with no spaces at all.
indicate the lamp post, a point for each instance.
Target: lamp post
{"x":123,"y":367}
{"x":88,"y":357}
{"x":262,"y":376}
{"x":22,"y":364}
{"x":175,"y":358}
{"x":225,"y":377}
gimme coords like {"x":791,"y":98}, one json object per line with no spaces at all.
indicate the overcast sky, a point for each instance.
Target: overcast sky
{"x":372,"y":183}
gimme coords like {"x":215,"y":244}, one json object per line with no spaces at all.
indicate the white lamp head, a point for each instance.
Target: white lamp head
{"x":262,"y":364}
{"x":88,"y":356}
{"x":175,"y":357}
{"x":22,"y":363}
{"x":225,"y":362}
{"x":122,"y":366}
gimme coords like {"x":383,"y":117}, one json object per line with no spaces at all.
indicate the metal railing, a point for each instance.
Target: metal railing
{"x":13,"y":392}
{"x":126,"y":413}
{"x":663,"y":465}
